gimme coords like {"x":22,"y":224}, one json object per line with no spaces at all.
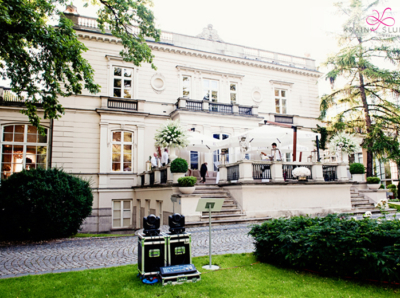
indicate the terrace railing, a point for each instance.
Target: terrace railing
{"x":220,"y":108}
{"x":164,"y":175}
{"x":261,"y":171}
{"x":329,"y":172}
{"x":287,"y":170}
{"x":245,"y":111}
{"x":122,"y":104}
{"x":194,"y":105}
{"x":233,"y":173}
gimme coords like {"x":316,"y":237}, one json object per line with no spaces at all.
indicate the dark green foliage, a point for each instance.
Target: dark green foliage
{"x":373,"y":180}
{"x":394,"y":200}
{"x":179,"y":165}
{"x":391,"y":186}
{"x":43,"y":204}
{"x":324,"y":137}
{"x":393,"y":189}
{"x":46,"y":60}
{"x":381,"y":186}
{"x":357,"y":168}
{"x":187,"y":181}
{"x":333,"y":245}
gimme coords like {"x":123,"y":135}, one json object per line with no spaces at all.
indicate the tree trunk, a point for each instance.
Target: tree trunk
{"x":368,"y":123}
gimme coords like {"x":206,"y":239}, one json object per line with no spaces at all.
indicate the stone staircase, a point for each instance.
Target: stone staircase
{"x":230,"y":212}
{"x":361,"y":204}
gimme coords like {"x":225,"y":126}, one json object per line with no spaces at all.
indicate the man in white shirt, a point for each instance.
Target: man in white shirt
{"x":164,"y":157}
{"x":154,"y":161}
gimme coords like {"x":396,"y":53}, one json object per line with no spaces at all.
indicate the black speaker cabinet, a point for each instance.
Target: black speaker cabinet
{"x":152,"y":254}
{"x":179,"y":248}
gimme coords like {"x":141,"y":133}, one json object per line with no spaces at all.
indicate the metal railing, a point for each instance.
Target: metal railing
{"x":163,"y":174}
{"x":288,"y":169}
{"x":261,"y":171}
{"x":9,"y":97}
{"x":329,"y":173}
{"x":194,"y":105}
{"x":233,"y":173}
{"x":122,"y":104}
{"x":245,"y":111}
{"x":221,"y":108}
{"x":284,"y":119}
{"x":152,"y":178}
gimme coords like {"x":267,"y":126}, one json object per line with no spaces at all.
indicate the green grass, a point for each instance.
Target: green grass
{"x":82,"y":235}
{"x":395,"y":206}
{"x":257,"y":280}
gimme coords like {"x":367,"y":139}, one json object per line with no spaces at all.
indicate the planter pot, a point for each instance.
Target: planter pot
{"x":172,"y":154}
{"x":358,"y":177}
{"x":187,"y":190}
{"x":374,"y":186}
{"x":176,"y":176}
{"x":302,"y":179}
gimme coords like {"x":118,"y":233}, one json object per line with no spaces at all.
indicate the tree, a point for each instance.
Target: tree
{"x":46,"y":61}
{"x":369,"y":89}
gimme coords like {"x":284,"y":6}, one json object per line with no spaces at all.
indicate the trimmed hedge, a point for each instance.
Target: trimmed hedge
{"x":332,"y":245}
{"x":179,"y":165}
{"x":357,"y":168}
{"x":43,"y":204}
{"x":373,"y":180}
{"x":187,"y":181}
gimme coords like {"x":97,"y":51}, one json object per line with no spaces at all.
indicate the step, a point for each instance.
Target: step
{"x":228,"y":221}
{"x":224,"y":212}
{"x":357,"y":196}
{"x":358,"y":199}
{"x":363,"y":206}
{"x":207,"y":187}
{"x":228,"y":207}
{"x":222,"y":216}
{"x":364,"y":201}
{"x":355,"y":211}
{"x":215,"y":196}
{"x":207,"y":191}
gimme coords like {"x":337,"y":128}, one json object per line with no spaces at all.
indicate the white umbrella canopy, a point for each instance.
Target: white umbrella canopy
{"x":202,"y":143}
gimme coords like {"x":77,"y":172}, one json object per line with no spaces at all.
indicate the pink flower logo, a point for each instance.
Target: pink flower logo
{"x":373,"y":20}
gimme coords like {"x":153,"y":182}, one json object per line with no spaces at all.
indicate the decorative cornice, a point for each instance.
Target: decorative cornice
{"x":232,"y":75}
{"x":281,"y":83}
{"x":206,"y":55}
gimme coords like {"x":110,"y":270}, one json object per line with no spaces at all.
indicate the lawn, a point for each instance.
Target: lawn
{"x":84,"y":235}
{"x":394,"y":206}
{"x":257,"y":280}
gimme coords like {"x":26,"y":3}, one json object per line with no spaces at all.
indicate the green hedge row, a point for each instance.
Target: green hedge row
{"x":332,"y":245}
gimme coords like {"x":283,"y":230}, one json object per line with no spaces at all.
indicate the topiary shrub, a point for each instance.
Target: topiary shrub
{"x":391,"y":186}
{"x":373,"y":180}
{"x":187,"y":181}
{"x":357,"y":168}
{"x":179,"y":165}
{"x":42,"y":204}
{"x":332,"y":245}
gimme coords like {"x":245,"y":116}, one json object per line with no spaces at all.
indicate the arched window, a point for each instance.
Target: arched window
{"x":122,"y":151}
{"x":22,"y":148}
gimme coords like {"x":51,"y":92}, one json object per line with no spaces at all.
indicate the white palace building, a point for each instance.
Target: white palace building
{"x":213,"y":87}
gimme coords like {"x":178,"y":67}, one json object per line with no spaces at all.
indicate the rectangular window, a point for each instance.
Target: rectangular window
{"x":280,"y":101}
{"x":233,"y":92}
{"x":122,"y":82}
{"x":186,"y":86}
{"x":122,"y":214}
{"x":210,"y":90}
{"x":288,"y":156}
{"x":194,"y":160}
{"x":122,"y":151}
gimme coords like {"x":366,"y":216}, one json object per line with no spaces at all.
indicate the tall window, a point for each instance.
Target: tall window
{"x":280,"y":101}
{"x":233,"y":92}
{"x":122,"y":151}
{"x":122,"y":82}
{"x":22,"y":148}
{"x":194,"y":160}
{"x":186,"y":86}
{"x":210,"y":90}
{"x":221,"y":153}
{"x":122,"y":214}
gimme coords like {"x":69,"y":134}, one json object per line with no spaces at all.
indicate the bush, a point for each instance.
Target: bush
{"x":42,"y":204}
{"x":187,"y":181}
{"x":394,"y":200}
{"x":357,"y":168}
{"x":373,"y":180}
{"x":391,"y":186}
{"x":381,"y":186}
{"x":179,"y":165}
{"x":332,"y":245}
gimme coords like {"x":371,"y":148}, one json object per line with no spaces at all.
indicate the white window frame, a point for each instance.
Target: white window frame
{"x":286,"y":156}
{"x":281,"y":98}
{"x":122,"y":82}
{"x":211,"y":90}
{"x":219,"y":150}
{"x":122,"y":213}
{"x":24,"y":145}
{"x":122,"y":143}
{"x":189,"y":86}
{"x":233,"y":92}
{"x":198,"y":160}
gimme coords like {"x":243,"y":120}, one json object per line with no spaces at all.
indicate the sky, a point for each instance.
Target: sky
{"x":295,"y":27}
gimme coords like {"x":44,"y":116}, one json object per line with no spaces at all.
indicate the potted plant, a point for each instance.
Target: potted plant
{"x":373,"y":182}
{"x":393,"y":189}
{"x":357,"y":171}
{"x":171,"y":135}
{"x":186,"y":184}
{"x":343,"y":144}
{"x":179,"y":167}
{"x":301,"y":173}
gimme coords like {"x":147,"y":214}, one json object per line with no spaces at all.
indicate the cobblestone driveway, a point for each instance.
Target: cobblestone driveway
{"x":84,"y":253}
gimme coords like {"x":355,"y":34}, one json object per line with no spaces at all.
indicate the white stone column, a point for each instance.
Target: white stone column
{"x":206,"y":105}
{"x":341,"y":172}
{"x":254,"y":110}
{"x":317,"y":172}
{"x":157,"y":176}
{"x":245,"y":171}
{"x":235,"y":109}
{"x":170,"y":177}
{"x":182,"y":103}
{"x":276,"y":172}
{"x":141,"y":161}
{"x":105,"y":156}
{"x":223,"y":174}
{"x":147,"y":178}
